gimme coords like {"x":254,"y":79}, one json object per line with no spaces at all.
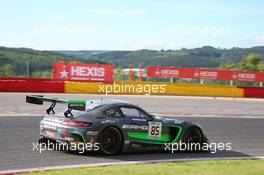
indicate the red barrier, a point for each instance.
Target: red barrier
{"x":256,"y":92}
{"x":161,"y":72}
{"x":208,"y":74}
{"x":31,"y":85}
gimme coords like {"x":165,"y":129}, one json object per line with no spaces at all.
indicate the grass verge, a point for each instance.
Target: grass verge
{"x":219,"y":167}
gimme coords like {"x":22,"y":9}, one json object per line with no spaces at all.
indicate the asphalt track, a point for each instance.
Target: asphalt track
{"x":238,"y":121}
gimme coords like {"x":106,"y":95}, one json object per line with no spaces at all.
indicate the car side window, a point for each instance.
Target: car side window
{"x":143,"y":114}
{"x":113,"y":112}
{"x":130,"y":112}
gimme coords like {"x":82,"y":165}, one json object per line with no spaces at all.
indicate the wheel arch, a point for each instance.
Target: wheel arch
{"x":204,"y":138}
{"x":112,"y":125}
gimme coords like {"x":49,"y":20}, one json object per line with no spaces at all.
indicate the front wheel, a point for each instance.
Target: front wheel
{"x":193,"y":139}
{"x":110,"y":140}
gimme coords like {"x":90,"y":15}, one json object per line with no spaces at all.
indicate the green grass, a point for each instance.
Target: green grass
{"x":220,"y":167}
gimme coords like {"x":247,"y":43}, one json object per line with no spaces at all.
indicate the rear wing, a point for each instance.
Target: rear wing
{"x":72,"y":104}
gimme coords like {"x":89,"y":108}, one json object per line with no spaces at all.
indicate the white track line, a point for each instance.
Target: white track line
{"x":124,"y":163}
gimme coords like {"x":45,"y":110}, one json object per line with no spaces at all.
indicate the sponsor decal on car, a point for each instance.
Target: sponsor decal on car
{"x":154,"y":130}
{"x":92,"y":133}
{"x":61,"y":131}
{"x":50,"y":133}
{"x":49,"y":127}
{"x":140,"y":127}
{"x":109,"y":121}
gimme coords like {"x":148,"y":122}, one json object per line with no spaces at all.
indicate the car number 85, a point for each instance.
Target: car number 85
{"x":154,"y":130}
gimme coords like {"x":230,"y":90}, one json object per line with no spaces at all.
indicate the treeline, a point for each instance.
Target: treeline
{"x":199,"y":57}
{"x":13,"y":61}
{"x":251,"y":62}
{"x":156,"y":58}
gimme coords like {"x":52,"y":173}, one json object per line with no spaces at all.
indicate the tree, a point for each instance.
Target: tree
{"x":226,"y":66}
{"x":119,"y":75}
{"x":261,"y":67}
{"x":7,"y":70}
{"x":250,"y":62}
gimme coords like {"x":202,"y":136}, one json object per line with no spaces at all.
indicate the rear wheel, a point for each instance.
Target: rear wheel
{"x":110,"y":140}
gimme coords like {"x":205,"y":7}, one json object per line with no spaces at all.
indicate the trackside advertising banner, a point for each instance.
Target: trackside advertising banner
{"x":84,"y":72}
{"x":208,"y":74}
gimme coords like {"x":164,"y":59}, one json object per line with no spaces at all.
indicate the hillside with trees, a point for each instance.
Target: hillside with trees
{"x":199,"y":57}
{"x":251,"y":63}
{"x":14,"y":61}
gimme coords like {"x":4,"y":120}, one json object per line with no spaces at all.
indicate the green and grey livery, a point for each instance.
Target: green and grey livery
{"x":115,"y":125}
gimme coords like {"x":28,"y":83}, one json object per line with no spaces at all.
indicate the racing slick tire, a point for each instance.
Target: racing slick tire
{"x":193,"y":139}
{"x":110,"y":140}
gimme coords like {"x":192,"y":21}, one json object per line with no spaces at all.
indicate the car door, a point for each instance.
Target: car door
{"x":136,"y":123}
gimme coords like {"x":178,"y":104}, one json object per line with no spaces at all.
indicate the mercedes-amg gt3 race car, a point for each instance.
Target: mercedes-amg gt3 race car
{"x":114,"y":126}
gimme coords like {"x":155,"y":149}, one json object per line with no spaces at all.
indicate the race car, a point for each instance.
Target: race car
{"x":115,"y":126}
